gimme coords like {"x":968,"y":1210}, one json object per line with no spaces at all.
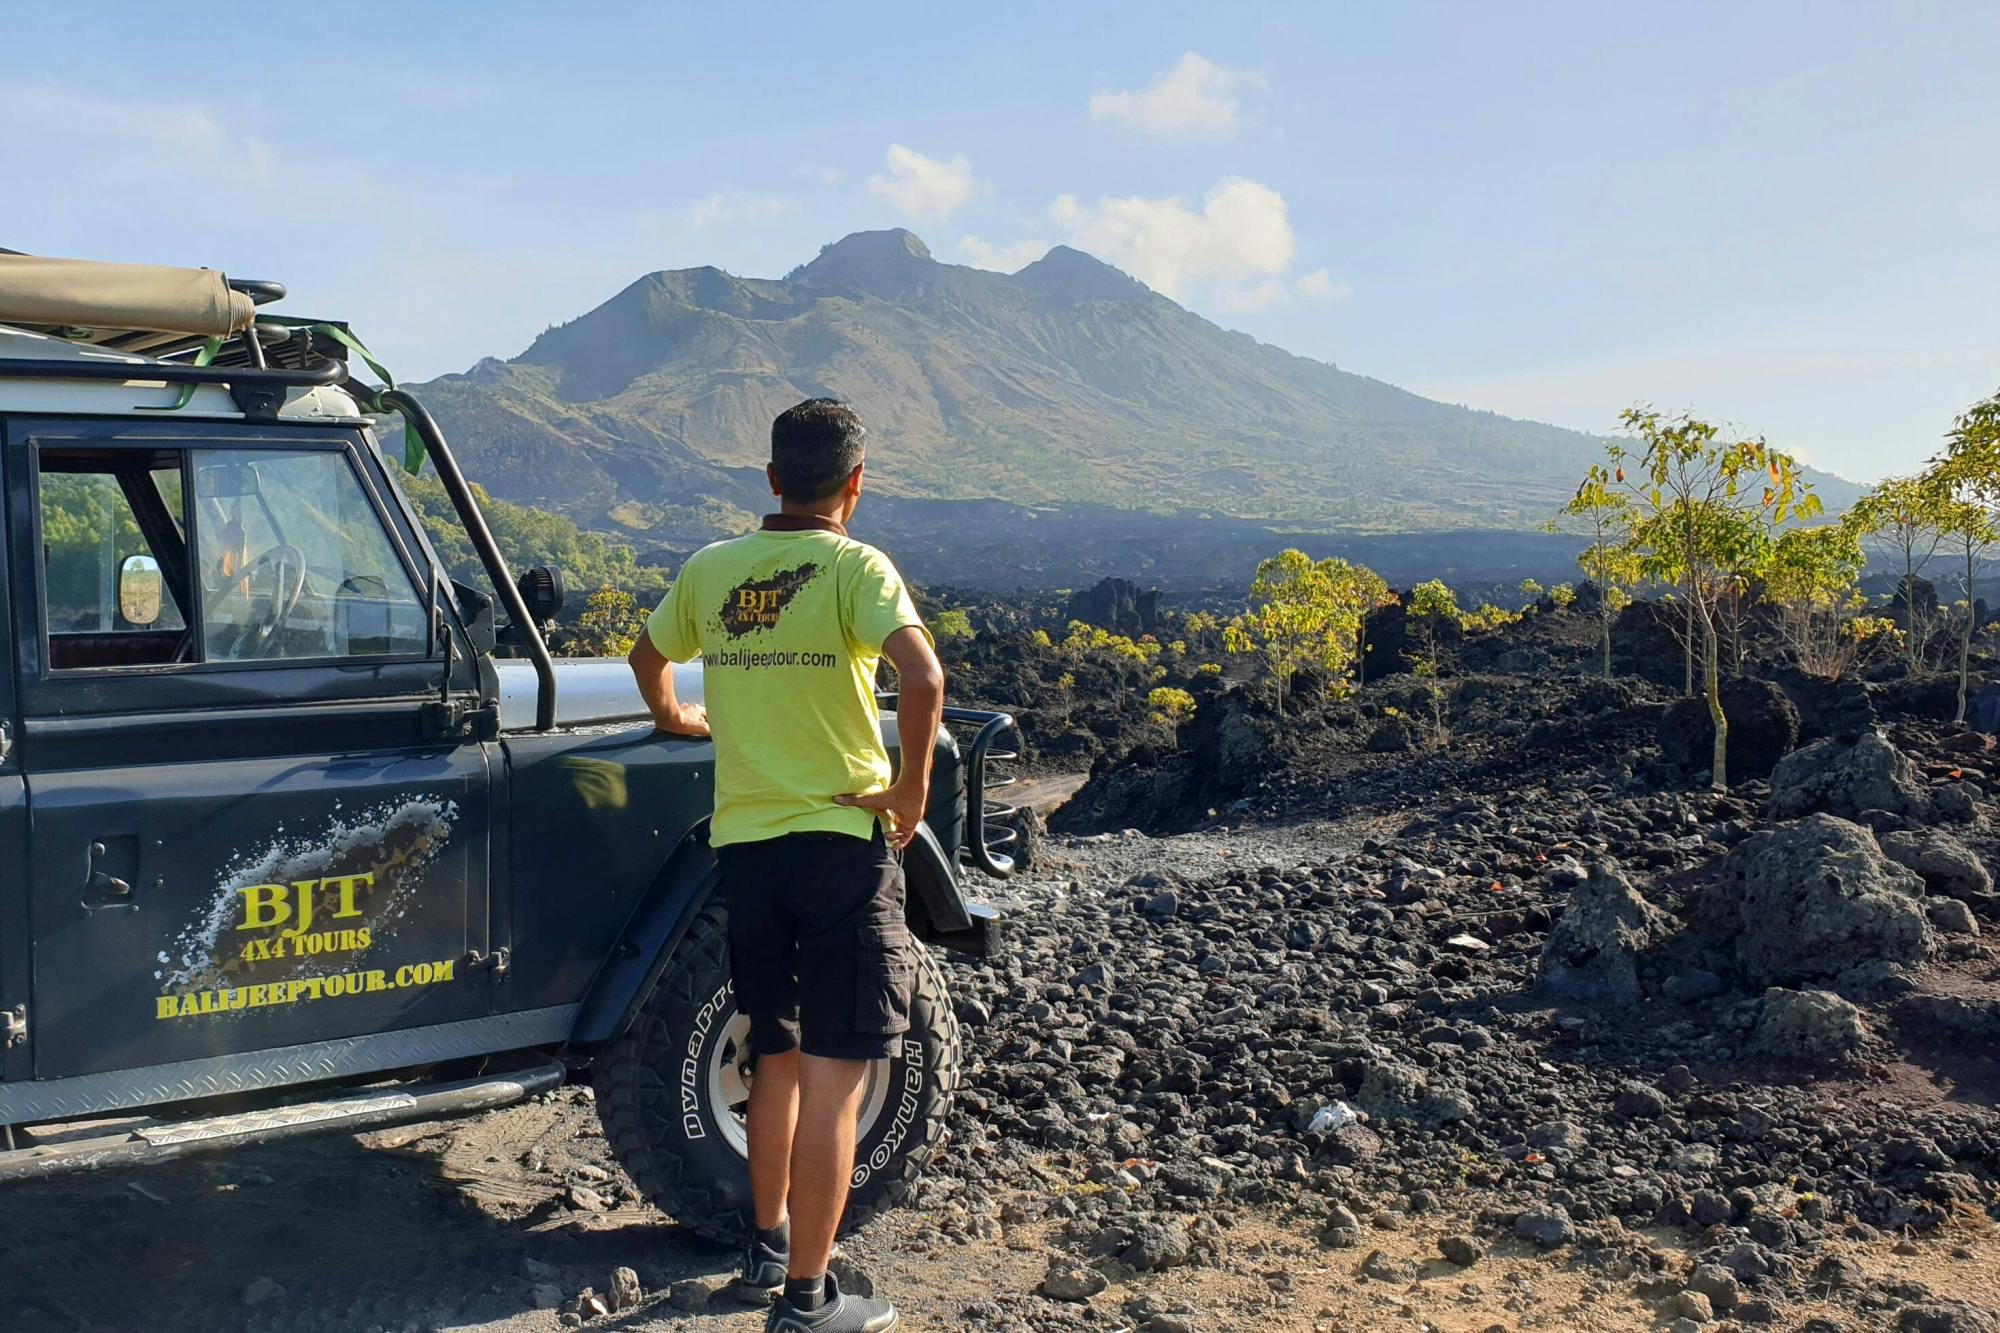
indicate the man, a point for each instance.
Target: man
{"x":790,"y":623}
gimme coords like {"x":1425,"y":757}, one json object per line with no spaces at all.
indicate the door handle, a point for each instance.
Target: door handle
{"x":101,"y":888}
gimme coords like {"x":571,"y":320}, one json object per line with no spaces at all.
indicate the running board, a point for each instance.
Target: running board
{"x":149,"y":1142}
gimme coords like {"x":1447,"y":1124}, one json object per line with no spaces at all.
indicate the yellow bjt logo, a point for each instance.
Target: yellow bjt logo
{"x":758,"y":601}
{"x":289,"y":908}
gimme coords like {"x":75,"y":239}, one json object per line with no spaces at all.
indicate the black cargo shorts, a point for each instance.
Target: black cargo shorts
{"x":818,"y":946}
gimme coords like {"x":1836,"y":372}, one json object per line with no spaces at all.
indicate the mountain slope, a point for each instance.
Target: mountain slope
{"x":1067,"y":381}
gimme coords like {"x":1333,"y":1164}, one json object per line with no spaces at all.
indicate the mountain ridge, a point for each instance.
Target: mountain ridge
{"x":1066,"y":381}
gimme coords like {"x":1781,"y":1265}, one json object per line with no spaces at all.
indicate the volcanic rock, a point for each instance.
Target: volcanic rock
{"x":1118,"y":605}
{"x":1463,"y":1251}
{"x":1808,"y":1026}
{"x":1391,"y":735}
{"x":1814,"y":897}
{"x":1069,"y":1280}
{"x":1691,"y":1305}
{"x":1547,"y":1227}
{"x":1763,"y":728}
{"x":1639,"y":1101}
{"x":1939,"y":1318}
{"x":1155,"y":1246}
{"x":626,"y":1293}
{"x":1391,"y":1090}
{"x":1842,"y":779}
{"x":1718,"y":1284}
{"x":261,"y":1291}
{"x":1949,"y":916}
{"x":1947,"y":865}
{"x":1592,"y":954}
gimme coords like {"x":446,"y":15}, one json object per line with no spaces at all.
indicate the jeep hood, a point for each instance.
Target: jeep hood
{"x":590,"y":691}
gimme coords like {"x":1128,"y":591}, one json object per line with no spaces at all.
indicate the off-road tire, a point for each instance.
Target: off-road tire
{"x":654,"y":1098}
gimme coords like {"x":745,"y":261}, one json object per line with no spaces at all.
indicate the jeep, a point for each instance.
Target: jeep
{"x":307,"y":835}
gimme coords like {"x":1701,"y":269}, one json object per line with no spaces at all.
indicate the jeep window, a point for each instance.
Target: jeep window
{"x":108,"y":599}
{"x":293,"y":562}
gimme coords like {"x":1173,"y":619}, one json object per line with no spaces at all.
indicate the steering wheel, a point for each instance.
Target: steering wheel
{"x":288,"y":566}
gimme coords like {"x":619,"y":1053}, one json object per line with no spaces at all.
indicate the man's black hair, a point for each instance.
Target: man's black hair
{"x":814,"y":446}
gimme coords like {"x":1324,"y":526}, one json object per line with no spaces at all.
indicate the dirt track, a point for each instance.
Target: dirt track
{"x":455,"y":1227}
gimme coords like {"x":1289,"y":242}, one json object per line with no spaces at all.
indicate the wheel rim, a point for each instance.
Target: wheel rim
{"x":730,"y":1073}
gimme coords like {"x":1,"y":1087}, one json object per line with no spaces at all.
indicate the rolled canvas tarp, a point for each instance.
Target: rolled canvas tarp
{"x":84,"y":294}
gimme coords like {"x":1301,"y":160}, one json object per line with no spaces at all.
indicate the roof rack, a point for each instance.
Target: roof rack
{"x":125,"y":303}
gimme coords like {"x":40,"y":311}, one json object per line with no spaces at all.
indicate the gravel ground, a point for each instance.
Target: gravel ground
{"x":1561,"y":1051}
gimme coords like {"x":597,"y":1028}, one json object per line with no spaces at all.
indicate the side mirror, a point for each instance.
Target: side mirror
{"x":140,"y":589}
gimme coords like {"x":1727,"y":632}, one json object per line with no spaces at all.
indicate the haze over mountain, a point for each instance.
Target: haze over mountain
{"x":1066,"y":384}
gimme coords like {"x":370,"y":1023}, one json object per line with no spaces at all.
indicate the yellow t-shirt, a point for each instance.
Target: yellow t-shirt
{"x":789,"y":626}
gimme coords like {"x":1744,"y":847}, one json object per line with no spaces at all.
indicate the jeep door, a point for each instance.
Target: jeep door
{"x":246,"y":829}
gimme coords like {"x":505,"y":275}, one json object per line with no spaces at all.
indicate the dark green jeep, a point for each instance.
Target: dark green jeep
{"x":292,"y":849}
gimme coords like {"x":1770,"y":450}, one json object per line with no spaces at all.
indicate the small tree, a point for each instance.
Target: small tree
{"x":1903,"y":521}
{"x":1971,"y":530}
{"x":1531,"y":593}
{"x":1812,"y":580}
{"x":1969,"y":470}
{"x":1702,"y":505}
{"x":610,"y":624}
{"x":1432,"y":607}
{"x":1357,"y":592}
{"x":1294,"y":621}
{"x":1604,"y":515}
{"x":1203,"y":630}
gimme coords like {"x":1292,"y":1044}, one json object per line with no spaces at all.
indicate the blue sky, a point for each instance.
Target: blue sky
{"x":1782,"y":215}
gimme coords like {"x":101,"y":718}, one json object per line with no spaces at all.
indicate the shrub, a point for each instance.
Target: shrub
{"x":949,"y":625}
{"x":1170,"y":705}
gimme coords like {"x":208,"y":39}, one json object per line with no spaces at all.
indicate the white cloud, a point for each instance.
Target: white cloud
{"x":921,"y":187}
{"x":1240,"y":235}
{"x":1001,"y":258}
{"x":734,"y":206}
{"x":1249,"y":297}
{"x":1195,"y":99}
{"x":1319,"y":285}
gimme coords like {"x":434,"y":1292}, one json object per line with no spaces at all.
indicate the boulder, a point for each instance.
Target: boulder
{"x":1387,"y":638}
{"x":1983,"y":713}
{"x":1391,"y":736}
{"x":1068,"y":1280}
{"x":1392,"y":1090}
{"x":1842,"y":779}
{"x":1592,"y":954}
{"x":1810,"y":899}
{"x":1838,"y":709}
{"x":1939,"y":1317}
{"x":1118,"y":605}
{"x":1913,"y":591}
{"x":1947,"y":865}
{"x":1763,"y":728}
{"x":1809,"y":1027}
{"x":1951,"y":917}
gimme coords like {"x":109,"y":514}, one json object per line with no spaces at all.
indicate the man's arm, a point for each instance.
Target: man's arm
{"x":655,"y":675}
{"x":919,"y":714}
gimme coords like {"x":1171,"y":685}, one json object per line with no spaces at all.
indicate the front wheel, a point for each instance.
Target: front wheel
{"x":673,"y":1089}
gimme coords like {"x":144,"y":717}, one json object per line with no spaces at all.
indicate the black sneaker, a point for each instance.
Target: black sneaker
{"x":837,"y":1314}
{"x":763,"y":1277}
